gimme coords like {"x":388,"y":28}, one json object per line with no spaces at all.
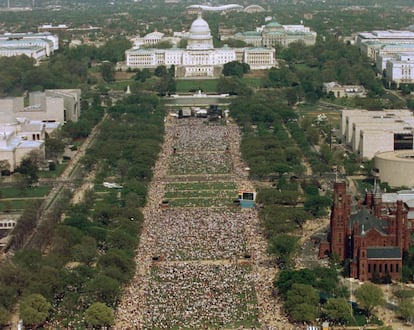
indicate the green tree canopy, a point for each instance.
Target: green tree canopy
{"x":107,"y":71}
{"x":4,"y":316}
{"x":369,"y":296}
{"x":283,"y":247}
{"x":301,"y":302}
{"x":99,"y":315}
{"x":34,"y":309}
{"x":406,"y":309}
{"x":337,"y":310}
{"x":317,"y":205}
{"x":235,"y":68}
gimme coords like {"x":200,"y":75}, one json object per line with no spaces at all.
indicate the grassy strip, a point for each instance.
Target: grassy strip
{"x":200,"y":193}
{"x":54,"y":174}
{"x":13,"y":205}
{"x":12,"y":191}
{"x":200,"y":202}
{"x":201,"y":186}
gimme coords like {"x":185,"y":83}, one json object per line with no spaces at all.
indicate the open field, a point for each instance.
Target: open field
{"x":13,"y":191}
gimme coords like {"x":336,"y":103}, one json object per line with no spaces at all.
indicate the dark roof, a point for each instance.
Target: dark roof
{"x":367,"y":221}
{"x":383,"y":252}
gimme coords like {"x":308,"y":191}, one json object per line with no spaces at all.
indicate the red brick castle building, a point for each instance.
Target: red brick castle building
{"x":373,"y":237}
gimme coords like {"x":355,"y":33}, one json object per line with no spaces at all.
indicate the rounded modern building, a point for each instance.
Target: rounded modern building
{"x":254,"y":9}
{"x":396,"y":167}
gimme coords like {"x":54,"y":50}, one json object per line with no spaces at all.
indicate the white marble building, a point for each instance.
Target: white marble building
{"x":274,"y":33}
{"x":34,"y":45}
{"x":200,"y":58}
{"x":19,"y":137}
{"x":35,"y":52}
{"x":401,"y":69}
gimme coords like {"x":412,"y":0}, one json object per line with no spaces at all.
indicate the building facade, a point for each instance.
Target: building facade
{"x":18,"y":138}
{"x":52,"y":105}
{"x":23,"y":128}
{"x":401,"y":69}
{"x":200,"y":58}
{"x":339,"y":90}
{"x":274,"y":33}
{"x":391,"y":164}
{"x":34,"y":45}
{"x":372,"y":238}
{"x":383,"y":37}
{"x":372,"y":132}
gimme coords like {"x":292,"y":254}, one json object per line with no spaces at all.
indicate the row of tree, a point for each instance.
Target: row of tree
{"x":91,"y":254}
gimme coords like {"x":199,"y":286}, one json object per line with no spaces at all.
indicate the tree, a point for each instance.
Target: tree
{"x":161,"y":71}
{"x":29,"y":167}
{"x":34,"y":309}
{"x":7,"y":294}
{"x":103,"y":288}
{"x":107,"y":71}
{"x":53,"y":147}
{"x":317,"y":205}
{"x":114,"y":49}
{"x":283,"y":247}
{"x":235,"y":68}
{"x":165,"y":85}
{"x":291,"y":94}
{"x":4,"y":166}
{"x":4,"y":316}
{"x":118,"y":259}
{"x":406,"y":309}
{"x":233,"y":86}
{"x":143,"y":74}
{"x":99,"y":315}
{"x":21,"y":181}
{"x":86,"y":250}
{"x":183,"y":43}
{"x":369,"y":296}
{"x":301,"y":302}
{"x":337,"y":310}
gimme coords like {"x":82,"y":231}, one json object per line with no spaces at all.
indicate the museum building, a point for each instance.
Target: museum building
{"x":372,"y":236}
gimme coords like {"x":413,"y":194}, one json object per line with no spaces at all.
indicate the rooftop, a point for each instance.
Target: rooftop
{"x":380,"y":252}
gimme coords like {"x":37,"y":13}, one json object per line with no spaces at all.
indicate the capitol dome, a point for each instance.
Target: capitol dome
{"x":200,"y":26}
{"x":200,"y":35}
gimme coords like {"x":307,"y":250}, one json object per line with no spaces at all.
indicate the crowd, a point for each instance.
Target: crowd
{"x":200,"y":163}
{"x":199,"y":267}
{"x":195,"y":295}
{"x":200,"y":136}
{"x":199,"y":233}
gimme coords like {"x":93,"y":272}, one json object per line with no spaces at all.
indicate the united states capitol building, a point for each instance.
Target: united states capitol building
{"x":200,"y":58}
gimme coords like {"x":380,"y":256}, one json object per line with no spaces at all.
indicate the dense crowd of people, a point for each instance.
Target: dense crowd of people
{"x":199,"y":267}
{"x":199,"y":234}
{"x":196,"y":295}
{"x":200,"y":163}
